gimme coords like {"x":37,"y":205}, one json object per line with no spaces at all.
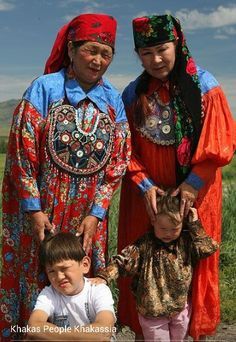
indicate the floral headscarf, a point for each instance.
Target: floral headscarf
{"x":93,"y":27}
{"x":152,"y":30}
{"x":186,"y":98}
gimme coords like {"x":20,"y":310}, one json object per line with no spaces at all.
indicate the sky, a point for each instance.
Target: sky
{"x":28,"y":29}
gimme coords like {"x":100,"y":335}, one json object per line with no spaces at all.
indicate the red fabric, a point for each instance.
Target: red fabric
{"x":65,"y":199}
{"x":99,"y":28}
{"x":215,"y":149}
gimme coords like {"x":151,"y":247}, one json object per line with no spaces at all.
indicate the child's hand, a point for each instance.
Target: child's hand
{"x":192,"y":215}
{"x":97,"y":281}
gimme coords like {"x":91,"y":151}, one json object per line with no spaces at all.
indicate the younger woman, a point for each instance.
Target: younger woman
{"x":182,"y":133}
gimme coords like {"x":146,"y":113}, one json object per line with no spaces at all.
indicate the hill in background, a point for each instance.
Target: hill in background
{"x":6,"y":112}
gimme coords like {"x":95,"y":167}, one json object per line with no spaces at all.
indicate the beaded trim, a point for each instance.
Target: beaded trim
{"x":75,"y":150}
{"x":159,"y":125}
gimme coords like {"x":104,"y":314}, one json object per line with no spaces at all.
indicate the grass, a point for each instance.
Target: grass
{"x":228,"y":255}
{"x":228,"y":246}
{"x":112,"y":236}
{"x":2,"y":163}
{"x":229,"y":172}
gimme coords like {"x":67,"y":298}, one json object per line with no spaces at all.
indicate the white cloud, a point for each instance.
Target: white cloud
{"x":5,"y":5}
{"x":229,"y":30}
{"x":120,"y":81}
{"x":12,"y":87}
{"x":146,"y":13}
{"x":229,"y":85}
{"x":220,"y":36}
{"x":141,"y":14}
{"x":66,"y":3}
{"x":222,"y":16}
{"x":90,"y":8}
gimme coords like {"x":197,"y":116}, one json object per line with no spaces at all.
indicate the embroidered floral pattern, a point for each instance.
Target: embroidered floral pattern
{"x":191,"y":67}
{"x":103,"y":38}
{"x":183,"y":136}
{"x":184,"y":152}
{"x":161,"y":272}
{"x":151,"y":30}
{"x":159,"y":125}
{"x":80,"y":141}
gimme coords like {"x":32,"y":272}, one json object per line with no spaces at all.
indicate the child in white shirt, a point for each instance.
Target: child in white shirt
{"x":71,"y":308}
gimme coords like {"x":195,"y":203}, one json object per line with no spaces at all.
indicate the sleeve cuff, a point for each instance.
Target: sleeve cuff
{"x":195,"y":181}
{"x":30,"y":204}
{"x":145,"y":185}
{"x":98,"y":212}
{"x":102,"y":276}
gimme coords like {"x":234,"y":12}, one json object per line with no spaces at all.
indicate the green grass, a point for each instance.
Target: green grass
{"x":229,"y":172}
{"x":2,"y":163}
{"x":228,"y":255}
{"x":112,"y":236}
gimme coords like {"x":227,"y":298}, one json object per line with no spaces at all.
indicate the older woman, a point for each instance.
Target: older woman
{"x":182,"y":133}
{"x":68,"y":149}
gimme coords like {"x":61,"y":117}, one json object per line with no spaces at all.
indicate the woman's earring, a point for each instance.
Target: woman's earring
{"x":70,"y":71}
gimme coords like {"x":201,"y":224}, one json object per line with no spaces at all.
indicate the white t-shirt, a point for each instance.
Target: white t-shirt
{"x":80,"y":309}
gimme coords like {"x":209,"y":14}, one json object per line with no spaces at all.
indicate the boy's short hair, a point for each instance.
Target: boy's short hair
{"x":62,"y":246}
{"x":168,"y":205}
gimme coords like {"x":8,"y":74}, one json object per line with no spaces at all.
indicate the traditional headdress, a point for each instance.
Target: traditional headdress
{"x":186,"y":101}
{"x":93,"y":27}
{"x":153,"y":30}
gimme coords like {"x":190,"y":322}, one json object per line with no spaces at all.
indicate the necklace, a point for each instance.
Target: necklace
{"x":86,"y":113}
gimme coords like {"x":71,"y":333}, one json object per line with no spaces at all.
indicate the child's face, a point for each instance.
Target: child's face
{"x":67,"y":276}
{"x":165,"y":229}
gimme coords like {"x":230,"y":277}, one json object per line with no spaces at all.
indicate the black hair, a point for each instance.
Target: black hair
{"x":62,"y":246}
{"x":169,"y":205}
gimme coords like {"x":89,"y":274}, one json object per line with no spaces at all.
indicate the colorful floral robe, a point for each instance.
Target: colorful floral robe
{"x":153,"y":161}
{"x":67,"y":153}
{"x":161,"y":272}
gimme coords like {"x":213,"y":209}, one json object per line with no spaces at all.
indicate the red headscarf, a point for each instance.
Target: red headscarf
{"x":93,"y":27}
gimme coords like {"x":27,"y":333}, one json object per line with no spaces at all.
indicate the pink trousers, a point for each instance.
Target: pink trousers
{"x":166,"y":329}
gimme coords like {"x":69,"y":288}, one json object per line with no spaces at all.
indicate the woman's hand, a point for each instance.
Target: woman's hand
{"x":192,"y":215}
{"x":97,"y":281}
{"x":40,"y":223}
{"x":88,"y":229}
{"x":188,"y":196}
{"x":150,"y":198}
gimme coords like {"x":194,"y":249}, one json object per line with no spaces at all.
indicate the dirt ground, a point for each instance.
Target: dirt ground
{"x":225,"y":333}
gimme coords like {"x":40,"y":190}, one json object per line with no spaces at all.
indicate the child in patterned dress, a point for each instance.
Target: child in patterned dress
{"x":161,"y":263}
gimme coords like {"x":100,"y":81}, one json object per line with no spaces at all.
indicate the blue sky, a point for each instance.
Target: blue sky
{"x":28,"y":29}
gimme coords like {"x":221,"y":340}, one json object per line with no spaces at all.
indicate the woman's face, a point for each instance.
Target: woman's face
{"x":90,"y":61}
{"x":158,"y":60}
